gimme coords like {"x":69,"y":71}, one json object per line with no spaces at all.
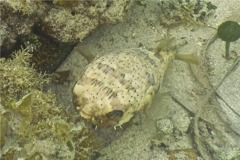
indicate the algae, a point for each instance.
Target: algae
{"x":34,"y":124}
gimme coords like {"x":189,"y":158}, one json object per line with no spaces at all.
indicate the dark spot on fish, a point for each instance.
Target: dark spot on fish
{"x":122,"y":81}
{"x":113,"y":95}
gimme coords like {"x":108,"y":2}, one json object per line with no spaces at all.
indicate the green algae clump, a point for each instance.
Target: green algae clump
{"x":229,"y":31}
{"x":33,"y":124}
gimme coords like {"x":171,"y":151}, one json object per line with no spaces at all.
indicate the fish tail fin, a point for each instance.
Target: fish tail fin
{"x":188,"y":58}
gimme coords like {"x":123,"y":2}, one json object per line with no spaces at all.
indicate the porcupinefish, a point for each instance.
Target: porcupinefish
{"x":117,"y":85}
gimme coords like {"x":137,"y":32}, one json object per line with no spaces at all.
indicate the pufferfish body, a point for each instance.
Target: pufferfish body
{"x":117,"y":85}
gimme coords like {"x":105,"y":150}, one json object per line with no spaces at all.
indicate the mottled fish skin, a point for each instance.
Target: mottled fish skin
{"x":122,"y":82}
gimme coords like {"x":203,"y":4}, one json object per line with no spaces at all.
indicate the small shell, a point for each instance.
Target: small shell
{"x":117,"y":85}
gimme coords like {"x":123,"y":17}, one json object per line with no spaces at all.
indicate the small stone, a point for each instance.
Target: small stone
{"x":164,"y":126}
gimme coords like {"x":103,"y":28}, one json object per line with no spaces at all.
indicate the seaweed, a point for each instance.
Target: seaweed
{"x":228,"y":31}
{"x":34,"y":124}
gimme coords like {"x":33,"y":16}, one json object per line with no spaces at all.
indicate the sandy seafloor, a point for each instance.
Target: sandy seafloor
{"x":171,"y":124}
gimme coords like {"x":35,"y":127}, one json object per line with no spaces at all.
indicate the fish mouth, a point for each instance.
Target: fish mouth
{"x":103,"y":121}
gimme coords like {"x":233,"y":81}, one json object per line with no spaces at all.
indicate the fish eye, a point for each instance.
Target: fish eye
{"x":115,"y":115}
